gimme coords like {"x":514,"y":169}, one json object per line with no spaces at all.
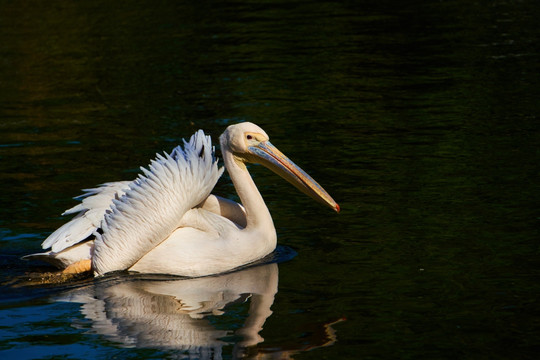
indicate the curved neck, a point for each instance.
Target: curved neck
{"x":257,"y":214}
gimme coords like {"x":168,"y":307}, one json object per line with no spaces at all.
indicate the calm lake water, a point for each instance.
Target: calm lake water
{"x":421,"y":118}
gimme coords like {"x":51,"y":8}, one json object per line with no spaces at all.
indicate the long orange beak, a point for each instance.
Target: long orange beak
{"x":268,"y":155}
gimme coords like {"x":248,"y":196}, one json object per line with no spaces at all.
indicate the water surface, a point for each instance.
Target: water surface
{"x":421,"y":120}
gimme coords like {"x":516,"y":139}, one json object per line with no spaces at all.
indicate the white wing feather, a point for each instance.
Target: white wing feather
{"x":91,"y":212}
{"x":154,"y":204}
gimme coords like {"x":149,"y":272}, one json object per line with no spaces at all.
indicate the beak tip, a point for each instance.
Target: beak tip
{"x":337,"y":208}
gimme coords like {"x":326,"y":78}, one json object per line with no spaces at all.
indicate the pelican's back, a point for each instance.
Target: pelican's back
{"x":153,"y":205}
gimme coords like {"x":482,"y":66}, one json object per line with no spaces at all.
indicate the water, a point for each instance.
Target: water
{"x":421,"y":120}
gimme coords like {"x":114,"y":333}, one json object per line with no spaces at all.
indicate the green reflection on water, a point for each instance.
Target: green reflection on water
{"x":420,"y":119}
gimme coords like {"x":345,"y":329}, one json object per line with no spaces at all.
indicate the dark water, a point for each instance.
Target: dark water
{"x":421,"y":118}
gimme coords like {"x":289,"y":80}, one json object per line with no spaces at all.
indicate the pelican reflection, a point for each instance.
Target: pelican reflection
{"x":194,"y":317}
{"x":178,"y":313}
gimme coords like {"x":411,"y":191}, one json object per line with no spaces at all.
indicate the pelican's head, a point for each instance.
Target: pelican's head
{"x":249,"y":143}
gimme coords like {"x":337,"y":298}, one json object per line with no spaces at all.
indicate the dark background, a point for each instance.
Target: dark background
{"x":419,"y":117}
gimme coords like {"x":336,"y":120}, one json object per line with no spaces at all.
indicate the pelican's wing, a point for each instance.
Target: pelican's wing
{"x":91,"y":212}
{"x":154,"y":204}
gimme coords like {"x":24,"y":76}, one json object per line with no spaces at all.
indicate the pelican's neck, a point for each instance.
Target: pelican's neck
{"x":257,"y":214}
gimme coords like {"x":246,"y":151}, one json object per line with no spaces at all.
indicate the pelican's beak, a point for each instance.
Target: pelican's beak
{"x":268,"y":155}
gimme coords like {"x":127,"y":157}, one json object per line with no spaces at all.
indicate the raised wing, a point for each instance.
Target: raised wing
{"x":91,"y":211}
{"x":154,"y":204}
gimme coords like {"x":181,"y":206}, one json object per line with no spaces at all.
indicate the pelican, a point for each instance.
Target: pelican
{"x":166,"y":221}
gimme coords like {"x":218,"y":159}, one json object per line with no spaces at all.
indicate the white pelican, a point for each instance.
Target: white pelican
{"x":166,"y":221}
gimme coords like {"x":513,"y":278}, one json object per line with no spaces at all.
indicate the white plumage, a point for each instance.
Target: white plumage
{"x":91,"y":212}
{"x":155,"y":203}
{"x":166,"y":221}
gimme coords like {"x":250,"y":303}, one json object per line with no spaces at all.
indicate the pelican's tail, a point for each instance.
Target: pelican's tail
{"x":153,"y":205}
{"x":63,"y":259}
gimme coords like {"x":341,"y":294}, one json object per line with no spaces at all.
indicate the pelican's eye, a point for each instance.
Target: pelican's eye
{"x":249,"y":137}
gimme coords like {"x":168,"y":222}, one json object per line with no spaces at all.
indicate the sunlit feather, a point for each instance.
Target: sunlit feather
{"x":153,"y":206}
